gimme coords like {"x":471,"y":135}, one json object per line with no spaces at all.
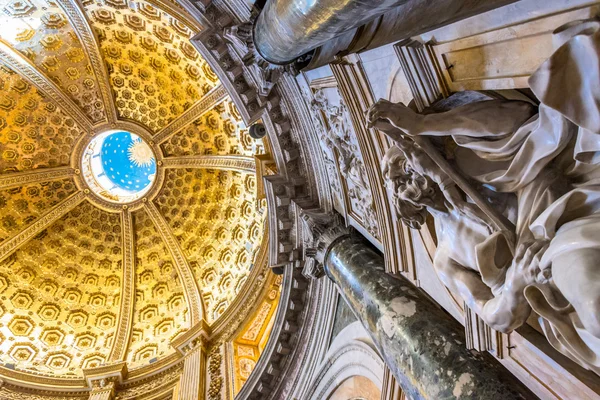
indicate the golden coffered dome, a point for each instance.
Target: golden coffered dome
{"x":89,"y":277}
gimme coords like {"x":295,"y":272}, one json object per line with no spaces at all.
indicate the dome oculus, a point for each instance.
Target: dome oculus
{"x":119,"y":166}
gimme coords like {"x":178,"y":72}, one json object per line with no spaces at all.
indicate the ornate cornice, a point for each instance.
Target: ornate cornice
{"x":41,"y":223}
{"x":197,"y":335}
{"x":192,"y":293}
{"x":8,"y":181}
{"x":127,"y":290}
{"x":226,"y":163}
{"x":91,"y":46}
{"x":217,"y":95}
{"x":25,"y":68}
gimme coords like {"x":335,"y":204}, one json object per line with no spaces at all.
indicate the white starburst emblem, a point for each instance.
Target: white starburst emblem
{"x":140,"y":154}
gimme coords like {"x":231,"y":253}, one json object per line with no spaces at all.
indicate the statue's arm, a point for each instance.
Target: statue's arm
{"x":493,"y":118}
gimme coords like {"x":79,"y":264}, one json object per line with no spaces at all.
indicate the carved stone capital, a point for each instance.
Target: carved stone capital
{"x":265,"y":74}
{"x":106,"y":377}
{"x":321,"y":231}
{"x":197,"y":336}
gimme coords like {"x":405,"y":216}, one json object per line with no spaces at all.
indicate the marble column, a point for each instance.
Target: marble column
{"x":423,"y":346}
{"x":287,"y":29}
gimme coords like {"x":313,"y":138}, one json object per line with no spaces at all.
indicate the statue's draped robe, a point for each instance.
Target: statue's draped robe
{"x":551,"y":161}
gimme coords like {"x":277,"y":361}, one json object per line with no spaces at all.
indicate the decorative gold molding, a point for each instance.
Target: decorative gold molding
{"x":8,"y":181}
{"x":29,"y":71}
{"x":192,"y":293}
{"x":40,"y":224}
{"x":197,"y":335}
{"x":125,"y":323}
{"x":179,"y":14}
{"x":227,"y":163}
{"x":217,"y":95}
{"x":113,"y":372}
{"x":91,"y":46}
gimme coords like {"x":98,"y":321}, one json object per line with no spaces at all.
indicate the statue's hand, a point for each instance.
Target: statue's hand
{"x":384,"y":115}
{"x":527,"y":263}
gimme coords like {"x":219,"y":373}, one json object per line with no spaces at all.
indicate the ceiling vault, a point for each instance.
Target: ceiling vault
{"x":192,"y":293}
{"x":91,"y":46}
{"x":36,"y":227}
{"x":217,"y":95}
{"x":226,"y":162}
{"x":26,"y":69}
{"x":17,"y":179}
{"x":125,"y":319}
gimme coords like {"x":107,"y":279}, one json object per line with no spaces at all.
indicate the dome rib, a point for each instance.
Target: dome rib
{"x":28,"y":70}
{"x":125,"y":321}
{"x":91,"y":47}
{"x":192,"y":293}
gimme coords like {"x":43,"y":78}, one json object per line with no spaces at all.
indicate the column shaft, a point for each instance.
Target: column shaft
{"x":287,"y":29}
{"x":423,"y":346}
{"x":192,"y":381}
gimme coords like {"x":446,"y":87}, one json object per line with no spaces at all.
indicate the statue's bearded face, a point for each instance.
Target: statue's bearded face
{"x":412,"y":192}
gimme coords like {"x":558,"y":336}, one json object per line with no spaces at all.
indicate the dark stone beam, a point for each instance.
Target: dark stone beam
{"x":422,"y":345}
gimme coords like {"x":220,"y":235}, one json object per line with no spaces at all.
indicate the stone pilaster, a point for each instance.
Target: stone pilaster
{"x":103,"y":390}
{"x":103,"y":380}
{"x":192,"y":345}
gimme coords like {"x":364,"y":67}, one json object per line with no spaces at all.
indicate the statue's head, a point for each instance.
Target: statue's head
{"x":412,"y":193}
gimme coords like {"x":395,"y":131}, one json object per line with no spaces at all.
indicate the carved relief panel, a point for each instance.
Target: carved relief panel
{"x":344,"y":162}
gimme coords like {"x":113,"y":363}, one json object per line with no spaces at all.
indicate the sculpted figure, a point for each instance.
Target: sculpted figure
{"x":338,"y":142}
{"x":549,"y":159}
{"x":471,"y":259}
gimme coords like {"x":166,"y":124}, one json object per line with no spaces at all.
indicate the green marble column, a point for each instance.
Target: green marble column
{"x":422,"y":345}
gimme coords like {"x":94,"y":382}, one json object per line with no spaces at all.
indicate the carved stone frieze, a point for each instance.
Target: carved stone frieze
{"x":162,"y":382}
{"x":227,"y":163}
{"x":8,"y":181}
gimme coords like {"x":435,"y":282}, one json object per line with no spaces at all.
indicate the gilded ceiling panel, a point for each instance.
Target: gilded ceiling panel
{"x":160,"y":310}
{"x":40,"y":30}
{"x":155,"y":72}
{"x":34,"y":132}
{"x":214,"y":216}
{"x":218,"y":132}
{"x":22,"y":205}
{"x":60,"y":295}
{"x":252,"y":339}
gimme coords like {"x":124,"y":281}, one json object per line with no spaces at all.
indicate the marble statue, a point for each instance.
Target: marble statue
{"x":548,"y":158}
